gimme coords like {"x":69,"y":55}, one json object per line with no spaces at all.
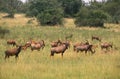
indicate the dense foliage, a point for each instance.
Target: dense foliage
{"x":71,"y":7}
{"x":97,"y":13}
{"x":11,"y":7}
{"x":112,"y":7}
{"x":91,"y":18}
{"x":52,"y":12}
{"x":47,"y":12}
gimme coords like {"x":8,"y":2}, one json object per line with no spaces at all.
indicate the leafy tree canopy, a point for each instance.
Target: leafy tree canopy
{"x":47,"y":12}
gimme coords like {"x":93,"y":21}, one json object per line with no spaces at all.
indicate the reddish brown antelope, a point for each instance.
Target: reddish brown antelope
{"x":59,"y":49}
{"x":37,"y":45}
{"x":79,"y":44}
{"x":96,"y":38}
{"x":56,"y":43}
{"x":11,"y":42}
{"x":13,"y":52}
{"x":106,"y":45}
{"x":85,"y":48}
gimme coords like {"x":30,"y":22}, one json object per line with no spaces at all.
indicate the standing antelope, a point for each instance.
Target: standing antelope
{"x":13,"y":52}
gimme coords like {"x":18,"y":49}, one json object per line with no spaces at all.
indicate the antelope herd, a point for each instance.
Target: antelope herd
{"x":57,"y":47}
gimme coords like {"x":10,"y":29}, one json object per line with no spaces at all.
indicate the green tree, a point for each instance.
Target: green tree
{"x":2,"y":6}
{"x":47,"y":12}
{"x":92,"y":15}
{"x":112,"y":7}
{"x":71,"y":7}
{"x":94,"y":18}
{"x":11,"y":7}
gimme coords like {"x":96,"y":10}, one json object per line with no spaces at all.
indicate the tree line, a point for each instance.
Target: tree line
{"x":52,"y":12}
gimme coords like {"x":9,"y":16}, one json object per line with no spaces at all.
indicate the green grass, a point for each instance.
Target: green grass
{"x":39,"y":65}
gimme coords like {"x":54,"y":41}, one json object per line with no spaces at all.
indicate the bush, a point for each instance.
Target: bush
{"x":94,"y":18}
{"x":45,"y":18}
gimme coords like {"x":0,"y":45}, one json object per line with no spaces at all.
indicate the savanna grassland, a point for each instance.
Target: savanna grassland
{"x":39,"y":65}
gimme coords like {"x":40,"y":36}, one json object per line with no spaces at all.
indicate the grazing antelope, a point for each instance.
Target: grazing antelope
{"x":79,"y":44}
{"x":85,"y":48}
{"x":96,"y":38}
{"x":106,"y":45}
{"x":11,"y":42}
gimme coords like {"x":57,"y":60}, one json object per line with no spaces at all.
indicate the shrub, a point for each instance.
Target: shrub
{"x":94,"y":18}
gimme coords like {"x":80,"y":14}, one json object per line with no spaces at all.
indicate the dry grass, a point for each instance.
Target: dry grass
{"x":19,"y":20}
{"x":69,"y":22}
{"x":113,"y":27}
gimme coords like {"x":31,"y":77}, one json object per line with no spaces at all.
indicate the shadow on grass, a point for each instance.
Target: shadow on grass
{"x":3,"y":32}
{"x":118,"y":66}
